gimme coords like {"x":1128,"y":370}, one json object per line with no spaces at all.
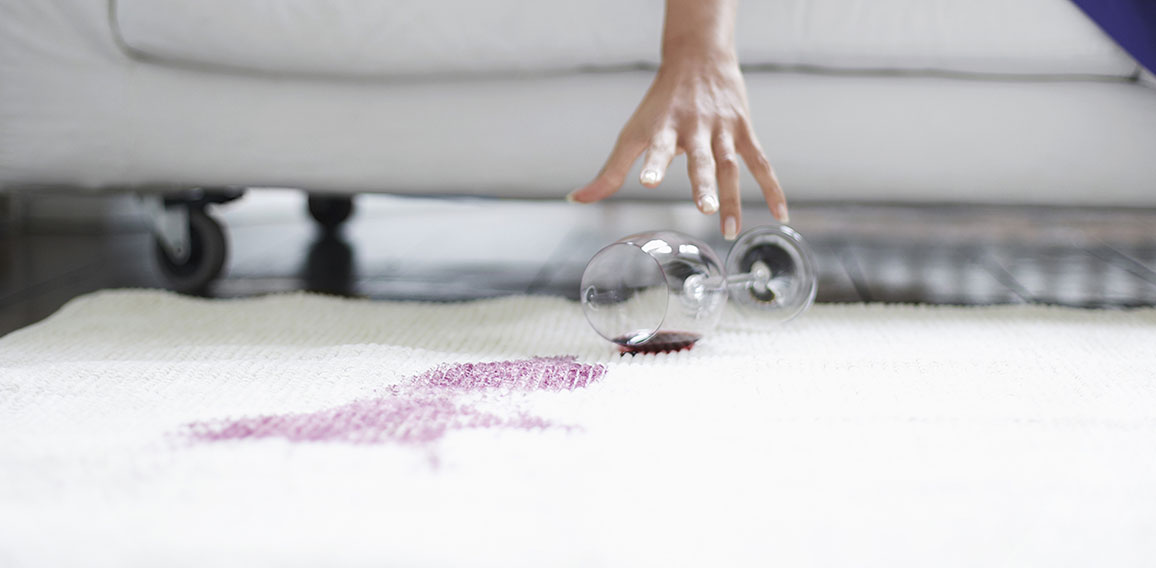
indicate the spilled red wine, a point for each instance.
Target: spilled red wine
{"x":662,"y":342}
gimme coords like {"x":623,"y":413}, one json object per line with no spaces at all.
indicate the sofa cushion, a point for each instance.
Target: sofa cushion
{"x":387,"y":38}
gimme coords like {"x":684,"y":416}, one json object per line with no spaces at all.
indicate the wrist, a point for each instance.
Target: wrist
{"x":677,"y":52}
{"x":699,"y":30}
{"x":696,"y":57}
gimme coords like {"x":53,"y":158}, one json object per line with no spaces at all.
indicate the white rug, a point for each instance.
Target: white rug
{"x":146,"y":429}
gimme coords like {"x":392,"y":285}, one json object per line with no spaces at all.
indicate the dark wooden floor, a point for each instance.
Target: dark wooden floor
{"x":397,"y":248}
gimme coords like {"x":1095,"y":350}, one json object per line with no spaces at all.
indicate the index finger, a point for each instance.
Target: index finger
{"x":613,"y":174}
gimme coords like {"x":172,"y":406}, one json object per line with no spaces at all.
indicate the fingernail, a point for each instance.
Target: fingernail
{"x":708,"y":204}
{"x":650,"y":176}
{"x":730,"y":228}
{"x":781,"y":210}
{"x":570,"y":197}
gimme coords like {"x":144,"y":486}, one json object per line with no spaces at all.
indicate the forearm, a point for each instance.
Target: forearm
{"x":699,"y":29}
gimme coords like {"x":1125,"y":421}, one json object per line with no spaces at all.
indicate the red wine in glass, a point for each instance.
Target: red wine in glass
{"x":662,"y":342}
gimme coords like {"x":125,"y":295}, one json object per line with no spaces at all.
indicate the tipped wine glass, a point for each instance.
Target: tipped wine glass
{"x":663,"y":290}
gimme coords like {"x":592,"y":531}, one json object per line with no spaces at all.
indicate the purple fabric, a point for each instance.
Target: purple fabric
{"x":1132,"y":23}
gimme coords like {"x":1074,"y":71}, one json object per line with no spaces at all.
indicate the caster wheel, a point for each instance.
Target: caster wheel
{"x":330,"y":211}
{"x":204,"y":261}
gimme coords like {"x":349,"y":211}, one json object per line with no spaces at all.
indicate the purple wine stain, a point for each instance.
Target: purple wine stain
{"x":662,"y":342}
{"x":541,"y":373}
{"x":419,"y":411}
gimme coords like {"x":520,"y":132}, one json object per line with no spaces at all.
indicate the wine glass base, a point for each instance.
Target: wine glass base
{"x":780,"y":277}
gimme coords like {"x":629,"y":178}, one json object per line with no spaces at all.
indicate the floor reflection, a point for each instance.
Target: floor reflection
{"x":329,"y":266}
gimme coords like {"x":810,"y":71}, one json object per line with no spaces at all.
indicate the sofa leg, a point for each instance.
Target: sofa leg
{"x":189,"y":245}
{"x":330,"y":211}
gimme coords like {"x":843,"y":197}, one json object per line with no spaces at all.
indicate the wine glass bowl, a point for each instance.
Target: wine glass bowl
{"x":654,"y":291}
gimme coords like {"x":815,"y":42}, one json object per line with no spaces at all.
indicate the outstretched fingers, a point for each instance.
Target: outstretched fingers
{"x":730,"y":198}
{"x":613,"y":174}
{"x":662,"y":149}
{"x":701,"y":169}
{"x":760,"y":167}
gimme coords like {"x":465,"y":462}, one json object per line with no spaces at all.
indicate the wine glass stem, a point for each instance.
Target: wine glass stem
{"x":759,"y":276}
{"x":745,"y":278}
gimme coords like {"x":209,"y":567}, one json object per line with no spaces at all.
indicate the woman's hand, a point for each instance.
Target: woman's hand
{"x":697,"y":104}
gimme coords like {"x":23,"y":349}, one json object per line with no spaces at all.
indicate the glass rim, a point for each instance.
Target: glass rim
{"x":651,"y":331}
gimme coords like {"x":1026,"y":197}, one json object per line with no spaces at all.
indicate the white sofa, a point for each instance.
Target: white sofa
{"x":926,"y":100}
{"x":999,"y":101}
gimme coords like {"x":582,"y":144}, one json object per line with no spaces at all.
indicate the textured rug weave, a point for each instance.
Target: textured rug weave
{"x":146,"y":429}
